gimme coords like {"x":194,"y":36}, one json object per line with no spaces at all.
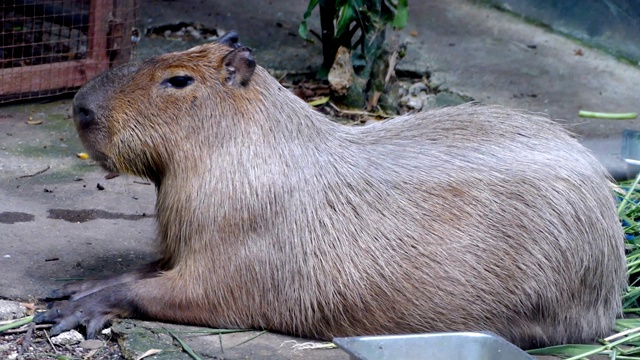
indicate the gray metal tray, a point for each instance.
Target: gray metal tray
{"x":434,"y":346}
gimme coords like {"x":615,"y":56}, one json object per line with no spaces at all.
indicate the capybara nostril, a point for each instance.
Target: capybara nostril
{"x":84,"y":116}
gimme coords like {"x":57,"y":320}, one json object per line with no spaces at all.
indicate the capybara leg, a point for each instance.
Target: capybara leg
{"x":81,"y":289}
{"x":92,"y":311}
{"x":156,"y":297}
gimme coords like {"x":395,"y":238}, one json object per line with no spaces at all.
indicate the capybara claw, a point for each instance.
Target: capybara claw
{"x":41,"y":317}
{"x":64,"y":315}
{"x":59,"y":294}
{"x":92,"y":312}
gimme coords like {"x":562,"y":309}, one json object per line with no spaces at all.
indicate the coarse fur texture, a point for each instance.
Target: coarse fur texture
{"x":271,"y":216}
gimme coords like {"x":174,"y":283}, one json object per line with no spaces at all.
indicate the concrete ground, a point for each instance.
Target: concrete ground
{"x":56,"y":224}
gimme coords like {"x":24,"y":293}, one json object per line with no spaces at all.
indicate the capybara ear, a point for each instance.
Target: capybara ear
{"x":230,"y":39}
{"x":239,"y":66}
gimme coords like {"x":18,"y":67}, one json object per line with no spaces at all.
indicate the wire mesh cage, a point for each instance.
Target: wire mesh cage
{"x":50,"y":47}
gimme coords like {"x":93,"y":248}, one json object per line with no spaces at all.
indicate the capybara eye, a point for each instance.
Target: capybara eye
{"x":178,"y":82}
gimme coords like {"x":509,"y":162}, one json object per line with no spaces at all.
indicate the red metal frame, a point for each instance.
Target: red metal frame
{"x":68,"y":74}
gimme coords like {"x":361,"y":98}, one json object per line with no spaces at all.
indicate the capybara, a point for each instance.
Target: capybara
{"x":273,"y":217}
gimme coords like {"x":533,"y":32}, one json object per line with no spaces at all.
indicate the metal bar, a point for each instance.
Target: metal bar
{"x":69,"y":74}
{"x":99,"y":11}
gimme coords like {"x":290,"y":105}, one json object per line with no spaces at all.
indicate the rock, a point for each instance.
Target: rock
{"x":417,"y":97}
{"x":195,"y":34}
{"x":445,"y":98}
{"x":414,"y":102}
{"x":137,"y":337}
{"x":341,"y":74}
{"x":413,"y":66}
{"x":91,"y":344}
{"x":390,"y":98}
{"x":10,"y":310}
{"x":417,"y":88}
{"x":67,"y":338}
{"x":344,"y":83}
{"x":429,"y":101}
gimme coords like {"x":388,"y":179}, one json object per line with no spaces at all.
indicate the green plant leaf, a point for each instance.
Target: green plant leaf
{"x":185,"y":347}
{"x":402,"y":15}
{"x":564,"y":350}
{"x":346,"y":16}
{"x":16,"y":323}
{"x":303,"y":28}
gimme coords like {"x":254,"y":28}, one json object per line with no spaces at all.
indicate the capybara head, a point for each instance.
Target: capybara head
{"x":169,"y":90}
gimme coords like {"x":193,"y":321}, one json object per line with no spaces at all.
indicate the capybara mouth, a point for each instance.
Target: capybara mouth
{"x":103,"y":161}
{"x":108,"y":168}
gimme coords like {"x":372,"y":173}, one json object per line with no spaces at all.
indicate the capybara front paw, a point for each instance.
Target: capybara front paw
{"x":68,"y":315}
{"x":91,"y":311}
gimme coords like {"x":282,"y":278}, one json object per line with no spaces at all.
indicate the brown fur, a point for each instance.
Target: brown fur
{"x":272,"y":216}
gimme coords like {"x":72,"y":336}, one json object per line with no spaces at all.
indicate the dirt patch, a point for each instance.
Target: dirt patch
{"x":11,"y":217}
{"x":80,"y":216}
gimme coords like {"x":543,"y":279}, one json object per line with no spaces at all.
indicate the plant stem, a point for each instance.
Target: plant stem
{"x":185,"y":347}
{"x":329,"y":49}
{"x":16,"y":323}
{"x":605,"y":347}
{"x":628,"y":195}
{"x":610,"y":116}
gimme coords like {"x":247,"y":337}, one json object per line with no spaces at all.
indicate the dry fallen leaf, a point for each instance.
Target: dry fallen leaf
{"x":34,"y":122}
{"x":29,"y":306}
{"x":319,"y":101}
{"x":578,"y":52}
{"x":83,"y":156}
{"x":413,"y":33}
{"x":91,"y":354}
{"x":149,"y":353}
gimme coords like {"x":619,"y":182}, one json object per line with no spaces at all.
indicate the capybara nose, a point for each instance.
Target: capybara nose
{"x":83,"y":116}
